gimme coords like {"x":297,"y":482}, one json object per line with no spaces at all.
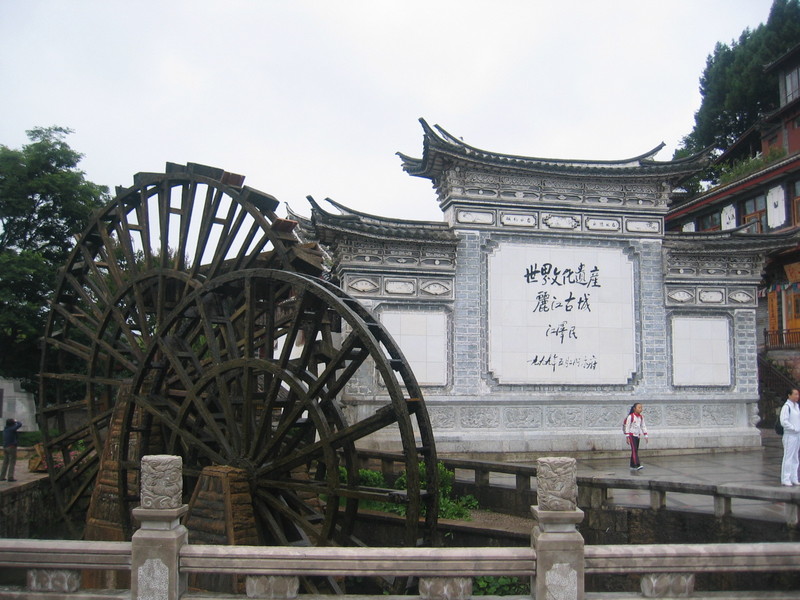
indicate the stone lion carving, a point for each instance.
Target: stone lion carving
{"x":557,"y":481}
{"x":162,"y":482}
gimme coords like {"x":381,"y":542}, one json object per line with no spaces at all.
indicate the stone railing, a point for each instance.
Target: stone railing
{"x":597,"y":491}
{"x":160,"y":558}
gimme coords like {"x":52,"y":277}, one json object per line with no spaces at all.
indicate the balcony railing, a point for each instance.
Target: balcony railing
{"x":779,"y":339}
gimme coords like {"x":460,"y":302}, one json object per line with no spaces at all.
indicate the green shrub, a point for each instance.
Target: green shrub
{"x":500,"y":586}
{"x":29,"y":438}
{"x":449,"y":506}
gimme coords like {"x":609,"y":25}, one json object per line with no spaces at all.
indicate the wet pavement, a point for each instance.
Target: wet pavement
{"x":760,"y":466}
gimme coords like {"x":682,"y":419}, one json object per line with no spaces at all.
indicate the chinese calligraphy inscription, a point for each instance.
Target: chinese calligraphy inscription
{"x":560,"y":315}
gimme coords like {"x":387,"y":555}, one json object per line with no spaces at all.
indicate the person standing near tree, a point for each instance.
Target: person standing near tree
{"x":634,"y":428}
{"x":10,"y":449}
{"x":790,"y":421}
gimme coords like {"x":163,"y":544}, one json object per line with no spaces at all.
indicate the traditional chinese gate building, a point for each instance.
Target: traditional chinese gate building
{"x":550,"y":299}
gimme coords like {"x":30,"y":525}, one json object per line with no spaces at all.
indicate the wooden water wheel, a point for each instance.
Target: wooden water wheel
{"x":191,"y":321}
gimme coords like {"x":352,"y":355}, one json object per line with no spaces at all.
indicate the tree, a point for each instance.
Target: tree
{"x":44,"y":201}
{"x":734,"y":89}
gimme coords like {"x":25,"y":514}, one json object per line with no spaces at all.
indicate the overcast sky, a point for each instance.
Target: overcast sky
{"x":315,"y":98}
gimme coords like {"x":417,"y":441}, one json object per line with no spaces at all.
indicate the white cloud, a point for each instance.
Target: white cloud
{"x":311,"y":97}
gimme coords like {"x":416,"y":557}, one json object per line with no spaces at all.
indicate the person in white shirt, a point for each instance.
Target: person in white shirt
{"x":634,"y":429}
{"x":790,"y":421}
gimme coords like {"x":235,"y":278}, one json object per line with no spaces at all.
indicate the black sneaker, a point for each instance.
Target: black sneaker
{"x":640,"y":467}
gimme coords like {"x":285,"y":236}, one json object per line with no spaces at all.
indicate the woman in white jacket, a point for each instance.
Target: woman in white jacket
{"x":790,"y":420}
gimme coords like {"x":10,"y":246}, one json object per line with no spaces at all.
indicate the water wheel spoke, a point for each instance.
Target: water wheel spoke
{"x":310,"y":533}
{"x":179,"y":430}
{"x":347,"y":358}
{"x":338,"y":439}
{"x":357,"y":492}
{"x":78,"y":481}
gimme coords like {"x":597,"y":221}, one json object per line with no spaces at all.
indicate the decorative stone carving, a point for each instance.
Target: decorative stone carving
{"x":162,"y":481}
{"x":562,"y":184}
{"x":652,"y":415}
{"x":435,"y":288}
{"x":445,"y":588}
{"x":604,"y":200}
{"x":718,"y":415}
{"x":650,"y":190}
{"x":479,"y":177}
{"x":604,"y":416}
{"x":563,"y":417}
{"x":406,"y":261}
{"x":560,"y":222}
{"x":480,"y":418}
{"x":519,"y":195}
{"x":711,"y":296}
{"x":399,"y":286}
{"x":597,"y":224}
{"x":482,"y":192}
{"x":562,"y":582}
{"x":522,"y":417}
{"x":153,"y":578}
{"x":442,"y":418}
{"x":475,"y":217}
{"x":682,"y":416}
{"x":518,"y":220}
{"x":275,"y":587}
{"x":430,"y":260}
{"x":556,"y":477}
{"x":562,"y":198}
{"x":363,"y":286}
{"x":754,"y":417}
{"x":682,"y":296}
{"x":64,"y":581}
{"x":741,"y":297}
{"x":636,"y":226}
{"x":604,"y":187}
{"x":674,"y":585}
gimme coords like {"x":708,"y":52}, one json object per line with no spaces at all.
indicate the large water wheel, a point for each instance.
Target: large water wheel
{"x":190,"y":320}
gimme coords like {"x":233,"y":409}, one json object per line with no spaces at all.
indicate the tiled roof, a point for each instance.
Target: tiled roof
{"x":719,"y":241}
{"x":761,"y":177}
{"x":329,"y":226}
{"x":442,"y":150}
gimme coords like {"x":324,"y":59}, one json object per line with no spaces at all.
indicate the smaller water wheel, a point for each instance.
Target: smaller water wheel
{"x":160,"y":344}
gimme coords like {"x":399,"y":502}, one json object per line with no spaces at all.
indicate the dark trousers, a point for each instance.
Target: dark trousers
{"x":634,"y":451}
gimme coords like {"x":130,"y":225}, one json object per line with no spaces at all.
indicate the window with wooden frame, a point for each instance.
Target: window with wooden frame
{"x":754,"y":214}
{"x":794,"y":194}
{"x":709,"y":222}
{"x":792,"y":80}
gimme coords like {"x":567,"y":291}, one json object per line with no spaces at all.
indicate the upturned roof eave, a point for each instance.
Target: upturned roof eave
{"x":442,"y":149}
{"x":381,"y":228}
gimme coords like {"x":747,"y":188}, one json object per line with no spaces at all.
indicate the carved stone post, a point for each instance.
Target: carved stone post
{"x":445,"y":588}
{"x":558,"y":545}
{"x":155,"y":546}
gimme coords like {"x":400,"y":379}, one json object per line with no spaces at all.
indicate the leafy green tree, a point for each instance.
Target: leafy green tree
{"x":44,"y":201}
{"x":735,"y":90}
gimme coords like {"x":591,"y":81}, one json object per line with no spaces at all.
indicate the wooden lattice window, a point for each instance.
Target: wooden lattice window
{"x":754,"y":213}
{"x":709,"y":222}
